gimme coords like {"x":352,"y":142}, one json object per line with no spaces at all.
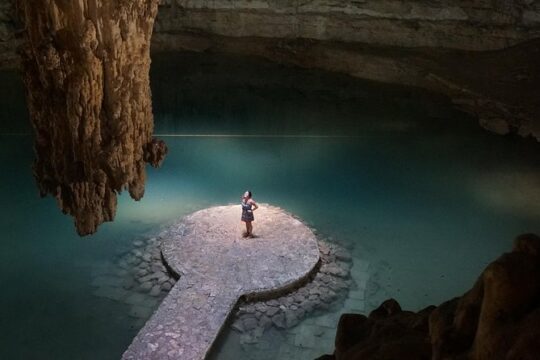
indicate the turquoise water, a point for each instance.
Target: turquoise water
{"x":408,"y":184}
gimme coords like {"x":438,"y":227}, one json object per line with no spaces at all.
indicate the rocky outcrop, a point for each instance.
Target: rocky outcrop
{"x":468,"y":25}
{"x":86,"y":70}
{"x":457,"y":24}
{"x":497,"y":319}
{"x":8,"y":40}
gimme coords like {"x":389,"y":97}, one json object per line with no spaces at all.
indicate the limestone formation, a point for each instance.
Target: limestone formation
{"x":468,"y":25}
{"x":86,"y":70}
{"x":497,"y":319}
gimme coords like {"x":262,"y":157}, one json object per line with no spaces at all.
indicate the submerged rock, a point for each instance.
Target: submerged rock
{"x":327,"y":288}
{"x":133,"y":282}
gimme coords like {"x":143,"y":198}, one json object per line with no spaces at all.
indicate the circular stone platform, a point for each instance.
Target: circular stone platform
{"x":217,"y":266}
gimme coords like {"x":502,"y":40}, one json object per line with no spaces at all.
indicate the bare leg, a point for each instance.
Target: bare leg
{"x":249,"y":228}
{"x":246,"y":233}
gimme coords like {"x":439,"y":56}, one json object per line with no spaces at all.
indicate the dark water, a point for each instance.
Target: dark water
{"x":412,"y":187}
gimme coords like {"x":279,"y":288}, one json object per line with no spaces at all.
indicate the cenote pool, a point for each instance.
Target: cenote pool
{"x":415,"y":190}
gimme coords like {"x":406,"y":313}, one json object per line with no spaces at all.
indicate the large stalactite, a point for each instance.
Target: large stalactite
{"x":86,"y":70}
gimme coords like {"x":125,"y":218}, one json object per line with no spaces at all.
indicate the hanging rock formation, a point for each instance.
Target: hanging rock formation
{"x":86,"y":67}
{"x":499,"y":318}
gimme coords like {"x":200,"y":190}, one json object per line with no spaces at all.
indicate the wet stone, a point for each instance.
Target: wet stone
{"x":156,"y":290}
{"x":291,"y":320}
{"x":166,"y":286}
{"x":142,"y":272}
{"x":146,"y":257}
{"x":146,"y":286}
{"x":138,"y":243}
{"x":261,"y":307}
{"x":265,"y":322}
{"x":128,"y":283}
{"x":279,"y":320}
{"x":250,"y":323}
{"x":271,"y":311}
{"x":325,"y":290}
{"x":238,"y":325}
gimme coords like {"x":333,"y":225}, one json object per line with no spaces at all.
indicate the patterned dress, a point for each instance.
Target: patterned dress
{"x":247,"y":212}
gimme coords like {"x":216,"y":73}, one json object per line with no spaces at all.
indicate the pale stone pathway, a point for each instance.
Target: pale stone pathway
{"x":217,"y":267}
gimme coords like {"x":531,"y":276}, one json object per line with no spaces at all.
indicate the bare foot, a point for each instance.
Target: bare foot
{"x":245,"y":234}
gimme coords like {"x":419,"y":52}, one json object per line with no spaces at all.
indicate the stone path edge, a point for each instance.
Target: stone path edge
{"x":263,"y":296}
{"x":177,"y":270}
{"x":252,"y":296}
{"x":256,"y":295}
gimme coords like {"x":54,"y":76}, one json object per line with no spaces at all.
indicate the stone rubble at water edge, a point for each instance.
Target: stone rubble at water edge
{"x":139,"y":279}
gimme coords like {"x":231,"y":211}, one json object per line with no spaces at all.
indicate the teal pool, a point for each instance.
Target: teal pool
{"x":411,"y":187}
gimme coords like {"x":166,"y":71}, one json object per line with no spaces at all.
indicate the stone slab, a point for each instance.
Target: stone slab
{"x":217,"y":266}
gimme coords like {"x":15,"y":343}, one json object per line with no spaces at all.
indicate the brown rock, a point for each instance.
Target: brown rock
{"x":388,"y":308}
{"x":86,"y":71}
{"x":352,"y":328}
{"x":499,"y":318}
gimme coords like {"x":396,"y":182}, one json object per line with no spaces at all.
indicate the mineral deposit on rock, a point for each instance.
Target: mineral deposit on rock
{"x":86,"y":70}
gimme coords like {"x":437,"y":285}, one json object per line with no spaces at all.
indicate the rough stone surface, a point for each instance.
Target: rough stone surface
{"x":86,"y":67}
{"x":497,"y":319}
{"x":217,"y":267}
{"x":469,"y":25}
{"x":8,"y":39}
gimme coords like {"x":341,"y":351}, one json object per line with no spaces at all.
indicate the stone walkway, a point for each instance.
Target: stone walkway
{"x":217,"y":266}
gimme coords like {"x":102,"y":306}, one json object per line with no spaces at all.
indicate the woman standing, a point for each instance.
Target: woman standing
{"x":248,"y":207}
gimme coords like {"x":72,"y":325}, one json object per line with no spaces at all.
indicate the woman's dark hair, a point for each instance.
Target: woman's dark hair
{"x":249,"y":193}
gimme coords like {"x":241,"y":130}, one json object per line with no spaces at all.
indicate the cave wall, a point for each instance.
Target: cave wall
{"x":448,"y":47}
{"x":481,"y":54}
{"x":469,"y":25}
{"x":8,"y":41}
